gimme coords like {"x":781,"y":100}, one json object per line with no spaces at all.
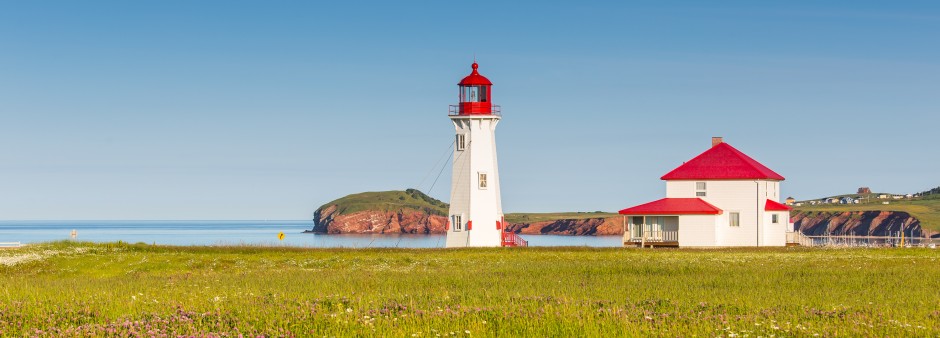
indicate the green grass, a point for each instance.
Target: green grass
{"x":925,"y":210}
{"x":389,"y":200}
{"x":117,"y":289}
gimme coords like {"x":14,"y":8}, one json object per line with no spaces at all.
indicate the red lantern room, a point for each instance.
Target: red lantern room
{"x":475,"y":95}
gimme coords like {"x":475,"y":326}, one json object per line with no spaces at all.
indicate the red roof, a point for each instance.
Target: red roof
{"x":673,"y":206}
{"x":775,"y":206}
{"x":722,"y":162}
{"x":475,"y":79}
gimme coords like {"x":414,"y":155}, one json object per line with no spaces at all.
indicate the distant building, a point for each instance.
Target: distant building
{"x":883,"y":196}
{"x":864,"y":190}
{"x":790,"y":200}
{"x":833,"y":200}
{"x":909,"y":196}
{"x":847,"y":200}
{"x":897,"y":197}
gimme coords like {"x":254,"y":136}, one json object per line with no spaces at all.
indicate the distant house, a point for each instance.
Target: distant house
{"x":799,"y":204}
{"x":909,"y":196}
{"x":813,"y":202}
{"x":897,"y":197}
{"x":847,"y":200}
{"x":833,"y":200}
{"x":883,"y":196}
{"x":864,"y":190}
{"x":790,"y":200}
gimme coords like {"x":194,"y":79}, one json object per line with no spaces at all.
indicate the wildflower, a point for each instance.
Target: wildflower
{"x":348,"y":310}
{"x":466,"y":331}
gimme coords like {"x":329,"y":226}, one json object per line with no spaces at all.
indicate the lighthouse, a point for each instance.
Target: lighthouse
{"x":476,"y":212}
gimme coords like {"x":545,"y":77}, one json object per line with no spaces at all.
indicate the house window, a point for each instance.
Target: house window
{"x":700,"y":189}
{"x":461,"y":142}
{"x":482,"y":180}
{"x":734,"y":219}
{"x":775,"y":218}
{"x":458,"y":222}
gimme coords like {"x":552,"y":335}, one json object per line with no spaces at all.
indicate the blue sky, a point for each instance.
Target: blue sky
{"x":265,"y":110}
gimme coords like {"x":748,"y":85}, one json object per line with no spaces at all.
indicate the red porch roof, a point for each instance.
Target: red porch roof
{"x":776,"y":206}
{"x":673,"y":206}
{"x":722,"y":162}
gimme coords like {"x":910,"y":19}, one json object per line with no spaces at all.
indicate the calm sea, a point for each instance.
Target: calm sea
{"x":242,"y":232}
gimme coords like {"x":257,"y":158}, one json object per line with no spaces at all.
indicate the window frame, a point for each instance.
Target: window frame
{"x":701,"y":192}
{"x":461,"y":142}
{"x":458,"y":222}
{"x":775,"y":218}
{"x":734,"y":219}
{"x":482,"y":180}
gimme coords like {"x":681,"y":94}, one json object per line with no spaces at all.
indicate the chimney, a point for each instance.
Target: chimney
{"x":716,"y":141}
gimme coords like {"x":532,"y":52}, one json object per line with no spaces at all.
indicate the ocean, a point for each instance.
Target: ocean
{"x":263,"y":233}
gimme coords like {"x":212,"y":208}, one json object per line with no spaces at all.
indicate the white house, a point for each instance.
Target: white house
{"x":720,"y":198}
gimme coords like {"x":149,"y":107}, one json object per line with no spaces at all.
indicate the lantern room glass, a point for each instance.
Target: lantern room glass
{"x":473,"y":94}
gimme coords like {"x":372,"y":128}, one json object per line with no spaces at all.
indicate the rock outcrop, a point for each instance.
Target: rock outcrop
{"x":857,"y":223}
{"x":401,"y":221}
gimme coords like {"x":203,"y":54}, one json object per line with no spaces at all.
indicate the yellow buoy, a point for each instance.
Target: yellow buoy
{"x":280,"y":236}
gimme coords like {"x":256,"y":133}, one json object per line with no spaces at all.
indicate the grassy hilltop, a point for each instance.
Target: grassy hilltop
{"x":82,"y":289}
{"x":926,"y":209}
{"x":389,"y":200}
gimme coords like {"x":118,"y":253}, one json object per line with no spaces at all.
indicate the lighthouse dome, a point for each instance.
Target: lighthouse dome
{"x":475,"y":79}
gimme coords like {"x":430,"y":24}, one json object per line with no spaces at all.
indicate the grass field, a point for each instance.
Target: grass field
{"x":128,"y":290}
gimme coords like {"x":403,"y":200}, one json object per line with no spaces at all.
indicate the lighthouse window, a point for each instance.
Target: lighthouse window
{"x":700,"y":189}
{"x":482,"y":180}
{"x":458,"y":222}
{"x":461,"y":142}
{"x":473,"y":94}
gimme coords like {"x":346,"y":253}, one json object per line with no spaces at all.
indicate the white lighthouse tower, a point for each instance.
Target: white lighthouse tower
{"x":476,"y":212}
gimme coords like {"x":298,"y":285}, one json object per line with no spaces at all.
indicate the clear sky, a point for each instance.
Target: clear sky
{"x":268,"y":109}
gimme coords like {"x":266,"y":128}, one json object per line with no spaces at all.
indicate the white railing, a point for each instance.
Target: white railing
{"x":656,"y":236}
{"x":797,"y":237}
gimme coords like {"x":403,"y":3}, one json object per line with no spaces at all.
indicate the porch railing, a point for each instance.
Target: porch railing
{"x":655,"y":236}
{"x":797,"y":237}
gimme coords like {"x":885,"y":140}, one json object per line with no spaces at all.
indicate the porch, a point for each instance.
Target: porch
{"x":651,"y":231}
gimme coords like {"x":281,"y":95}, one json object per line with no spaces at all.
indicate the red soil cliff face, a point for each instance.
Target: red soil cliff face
{"x":857,"y":223}
{"x":578,"y":227}
{"x":410,"y":221}
{"x":403,"y":221}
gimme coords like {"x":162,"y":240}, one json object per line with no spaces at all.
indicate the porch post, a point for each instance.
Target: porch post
{"x":643,"y":231}
{"x":626,"y":230}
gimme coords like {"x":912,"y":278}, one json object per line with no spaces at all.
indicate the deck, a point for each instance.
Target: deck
{"x":652,"y":239}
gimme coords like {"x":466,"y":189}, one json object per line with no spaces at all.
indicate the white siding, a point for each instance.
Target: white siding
{"x":697,"y":230}
{"x":680,"y":189}
{"x":746,"y":197}
{"x":775,"y":234}
{"x":483,"y":207}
